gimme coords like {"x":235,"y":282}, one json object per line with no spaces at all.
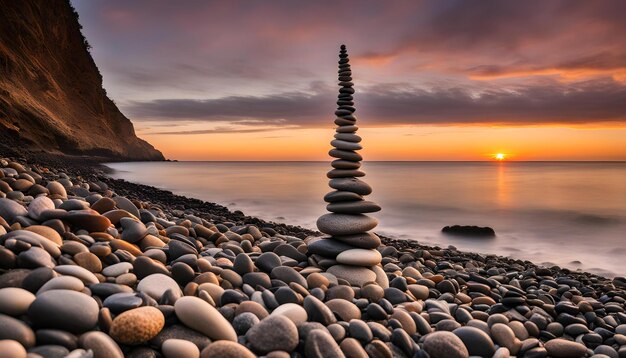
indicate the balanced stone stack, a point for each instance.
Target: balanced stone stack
{"x":350,"y":251}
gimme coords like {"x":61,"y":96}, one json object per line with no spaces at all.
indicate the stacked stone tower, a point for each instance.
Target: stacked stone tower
{"x":350,"y":250}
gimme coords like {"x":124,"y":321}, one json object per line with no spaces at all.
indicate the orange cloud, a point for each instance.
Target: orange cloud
{"x":373,"y":59}
{"x":565,"y":75}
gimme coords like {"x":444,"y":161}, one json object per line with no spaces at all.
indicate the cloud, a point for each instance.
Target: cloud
{"x":596,"y":101}
{"x":431,"y":61}
{"x":549,"y":102}
{"x":281,"y":108}
{"x":217,"y":130}
{"x":495,"y":38}
{"x":599,"y":64}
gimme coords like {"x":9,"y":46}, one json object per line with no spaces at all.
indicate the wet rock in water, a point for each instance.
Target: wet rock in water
{"x":469,"y":230}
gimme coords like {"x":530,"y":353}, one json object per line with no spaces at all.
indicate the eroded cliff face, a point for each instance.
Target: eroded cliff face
{"x":51,"y":94}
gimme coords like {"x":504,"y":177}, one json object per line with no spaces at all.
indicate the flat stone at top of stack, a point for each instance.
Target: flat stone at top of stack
{"x":350,"y":251}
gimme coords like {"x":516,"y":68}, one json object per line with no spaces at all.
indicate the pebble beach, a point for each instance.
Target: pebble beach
{"x":490,"y":222}
{"x":96,"y":267}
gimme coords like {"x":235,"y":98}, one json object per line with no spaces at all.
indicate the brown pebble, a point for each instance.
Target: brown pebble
{"x":137,"y":326}
{"x":372,"y":292}
{"x":352,"y":348}
{"x":47,"y":232}
{"x":252,"y":307}
{"x":73,"y":247}
{"x":344,"y":309}
{"x":118,"y":244}
{"x":100,"y":250}
{"x":128,"y":279}
{"x":408,"y":324}
{"x":11,"y":349}
{"x":89,"y":261}
{"x":103,"y":205}
{"x":104,"y":319}
{"x":377,"y":348}
{"x":317,"y":280}
{"x":226,"y":349}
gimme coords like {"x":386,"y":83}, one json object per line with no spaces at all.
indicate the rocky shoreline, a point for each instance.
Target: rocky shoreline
{"x":96,"y":267}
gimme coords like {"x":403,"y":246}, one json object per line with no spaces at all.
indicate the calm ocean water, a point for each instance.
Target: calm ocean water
{"x":571,"y":214}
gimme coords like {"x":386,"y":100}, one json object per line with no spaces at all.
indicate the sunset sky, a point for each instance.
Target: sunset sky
{"x":435,"y":80}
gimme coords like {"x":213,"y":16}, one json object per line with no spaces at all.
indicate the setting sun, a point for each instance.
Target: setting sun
{"x":500,"y":156}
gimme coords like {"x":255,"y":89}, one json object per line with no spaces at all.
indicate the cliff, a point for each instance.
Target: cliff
{"x":51,"y":95}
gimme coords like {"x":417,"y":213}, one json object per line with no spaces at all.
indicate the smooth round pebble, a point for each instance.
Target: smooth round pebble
{"x":101,"y":344}
{"x":294,"y":312}
{"x":320,"y":344}
{"x":64,"y":309}
{"x":355,"y":275}
{"x":359,"y":257}
{"x":15,"y":301}
{"x":226,"y":349}
{"x":11,"y":349}
{"x":345,"y":224}
{"x":156,"y":284}
{"x":175,"y":348}
{"x":563,"y":348}
{"x":445,"y":345}
{"x":274,"y":333}
{"x":477,"y":342}
{"x":198,"y":314}
{"x":137,"y":326}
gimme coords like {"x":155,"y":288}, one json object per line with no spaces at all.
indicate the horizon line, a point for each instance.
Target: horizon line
{"x":414,"y":161}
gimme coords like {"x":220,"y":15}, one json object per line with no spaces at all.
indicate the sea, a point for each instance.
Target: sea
{"x":571,"y":214}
